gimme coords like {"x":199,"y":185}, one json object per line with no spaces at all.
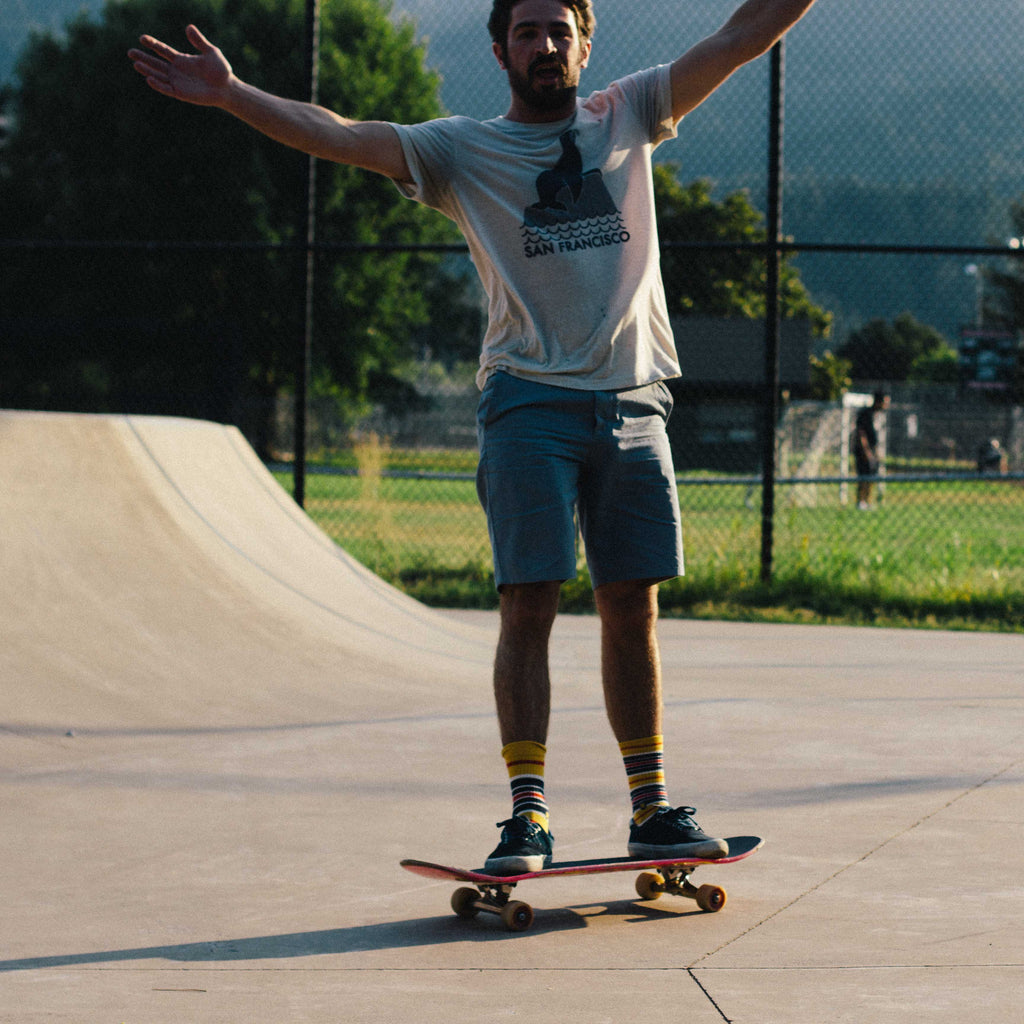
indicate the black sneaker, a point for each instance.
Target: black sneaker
{"x":525,"y":846}
{"x":672,"y":832}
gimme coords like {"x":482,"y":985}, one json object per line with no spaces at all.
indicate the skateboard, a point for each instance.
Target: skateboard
{"x":493,"y":892}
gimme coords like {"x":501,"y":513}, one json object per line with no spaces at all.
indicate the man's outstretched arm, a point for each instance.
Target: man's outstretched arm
{"x":206,"y":79}
{"x":751,"y":31}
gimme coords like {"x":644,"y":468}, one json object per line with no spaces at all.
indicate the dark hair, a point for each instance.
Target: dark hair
{"x":501,"y":16}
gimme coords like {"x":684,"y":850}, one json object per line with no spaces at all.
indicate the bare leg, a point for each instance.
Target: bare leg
{"x":522,"y":685}
{"x":630,"y":661}
{"x":631,"y":670}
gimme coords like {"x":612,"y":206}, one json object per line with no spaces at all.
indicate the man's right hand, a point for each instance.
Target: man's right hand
{"x":202,"y":78}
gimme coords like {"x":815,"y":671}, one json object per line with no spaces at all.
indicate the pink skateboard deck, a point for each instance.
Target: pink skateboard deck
{"x":492,"y":892}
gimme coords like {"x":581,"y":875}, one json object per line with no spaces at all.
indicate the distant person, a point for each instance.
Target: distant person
{"x":865,"y":448}
{"x":556,"y":201}
{"x":992,"y":458}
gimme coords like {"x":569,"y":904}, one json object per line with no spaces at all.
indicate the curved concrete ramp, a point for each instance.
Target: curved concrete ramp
{"x":155,"y":568}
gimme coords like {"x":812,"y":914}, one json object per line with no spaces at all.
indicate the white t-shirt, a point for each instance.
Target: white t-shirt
{"x":560,"y":223}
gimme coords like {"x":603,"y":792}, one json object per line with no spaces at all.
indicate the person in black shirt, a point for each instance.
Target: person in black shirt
{"x":865,"y":448}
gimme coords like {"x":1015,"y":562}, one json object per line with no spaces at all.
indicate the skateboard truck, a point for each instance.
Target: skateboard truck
{"x":515,"y":915}
{"x":676,"y":880}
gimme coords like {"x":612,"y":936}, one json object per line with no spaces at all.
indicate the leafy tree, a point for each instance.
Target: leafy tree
{"x":95,"y":155}
{"x":888,"y":351}
{"x":721,"y":282}
{"x":939,"y":366}
{"x":830,"y":377}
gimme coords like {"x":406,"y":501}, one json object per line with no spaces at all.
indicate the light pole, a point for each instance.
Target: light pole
{"x":973,"y":270}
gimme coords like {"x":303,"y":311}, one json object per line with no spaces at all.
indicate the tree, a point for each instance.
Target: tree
{"x":939,"y":366}
{"x":888,"y":351}
{"x":94,"y":155}
{"x":830,"y":377}
{"x":720,"y":282}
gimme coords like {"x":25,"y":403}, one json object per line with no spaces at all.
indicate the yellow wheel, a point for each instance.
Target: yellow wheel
{"x":463,"y":901}
{"x":711,"y":898}
{"x":649,"y":885}
{"x":516,"y":916}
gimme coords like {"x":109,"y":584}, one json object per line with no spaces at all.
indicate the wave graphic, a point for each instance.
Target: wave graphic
{"x":534,"y":234}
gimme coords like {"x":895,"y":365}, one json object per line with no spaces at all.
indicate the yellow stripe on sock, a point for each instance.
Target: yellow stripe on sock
{"x":644,"y":762}
{"x":526,"y":758}
{"x":642,"y":746}
{"x":523,"y":756}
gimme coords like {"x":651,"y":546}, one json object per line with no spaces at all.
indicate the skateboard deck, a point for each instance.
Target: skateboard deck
{"x":493,"y":892}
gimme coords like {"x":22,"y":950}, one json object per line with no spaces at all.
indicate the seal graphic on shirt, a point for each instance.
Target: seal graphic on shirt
{"x":574,"y":209}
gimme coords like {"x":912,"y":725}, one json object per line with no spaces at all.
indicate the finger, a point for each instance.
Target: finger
{"x":198,"y":40}
{"x":155,"y":77}
{"x":141,"y":57}
{"x":160,"y":49}
{"x":161,"y":85}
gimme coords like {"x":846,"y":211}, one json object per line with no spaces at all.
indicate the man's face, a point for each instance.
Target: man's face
{"x":544,"y":56}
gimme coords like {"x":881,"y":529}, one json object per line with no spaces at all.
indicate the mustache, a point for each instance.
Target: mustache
{"x":540,"y":63}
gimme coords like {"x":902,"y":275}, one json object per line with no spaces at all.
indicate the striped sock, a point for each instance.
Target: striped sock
{"x":645,"y":771}
{"x":525,"y":761}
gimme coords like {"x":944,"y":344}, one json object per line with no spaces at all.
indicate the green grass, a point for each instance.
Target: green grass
{"x":947,"y":554}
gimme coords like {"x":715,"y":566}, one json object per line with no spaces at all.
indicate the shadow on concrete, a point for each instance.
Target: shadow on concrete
{"x":428,"y":931}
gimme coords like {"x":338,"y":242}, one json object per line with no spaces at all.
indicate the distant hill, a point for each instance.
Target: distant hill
{"x":902,"y":121}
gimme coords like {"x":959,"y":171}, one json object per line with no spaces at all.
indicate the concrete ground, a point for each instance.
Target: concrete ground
{"x":219,"y":736}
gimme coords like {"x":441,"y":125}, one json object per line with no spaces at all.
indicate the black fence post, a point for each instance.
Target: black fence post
{"x":773,"y":256}
{"x":304,"y":362}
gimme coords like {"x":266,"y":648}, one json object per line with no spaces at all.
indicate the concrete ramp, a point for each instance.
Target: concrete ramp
{"x":155,"y":568}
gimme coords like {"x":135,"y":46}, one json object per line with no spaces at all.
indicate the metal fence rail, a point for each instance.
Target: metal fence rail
{"x":284,"y":468}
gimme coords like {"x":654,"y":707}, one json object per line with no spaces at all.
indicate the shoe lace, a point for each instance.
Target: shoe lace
{"x":516,"y":824}
{"x":523,"y":829}
{"x":682,"y":815}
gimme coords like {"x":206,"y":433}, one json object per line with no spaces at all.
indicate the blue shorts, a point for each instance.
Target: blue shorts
{"x":547,"y":453}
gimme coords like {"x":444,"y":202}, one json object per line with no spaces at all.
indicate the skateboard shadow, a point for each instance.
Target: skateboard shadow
{"x":428,"y":931}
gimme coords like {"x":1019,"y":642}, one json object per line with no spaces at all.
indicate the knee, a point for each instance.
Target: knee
{"x":631,"y":605}
{"x":529,"y":609}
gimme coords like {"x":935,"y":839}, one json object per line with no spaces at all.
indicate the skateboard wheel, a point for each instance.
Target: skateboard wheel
{"x":517,"y":916}
{"x":711,"y":898}
{"x":649,"y":885}
{"x":464,"y":902}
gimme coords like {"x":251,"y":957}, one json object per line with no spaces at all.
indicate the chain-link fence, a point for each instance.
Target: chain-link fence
{"x":901,"y":168}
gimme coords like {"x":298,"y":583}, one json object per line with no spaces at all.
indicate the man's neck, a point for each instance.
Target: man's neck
{"x":528,"y":113}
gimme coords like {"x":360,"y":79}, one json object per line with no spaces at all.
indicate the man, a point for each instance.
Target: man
{"x":992,"y":458}
{"x":556,"y":202}
{"x":865,"y":448}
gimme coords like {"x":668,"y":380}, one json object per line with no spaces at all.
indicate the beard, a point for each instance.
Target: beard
{"x":544,"y":97}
